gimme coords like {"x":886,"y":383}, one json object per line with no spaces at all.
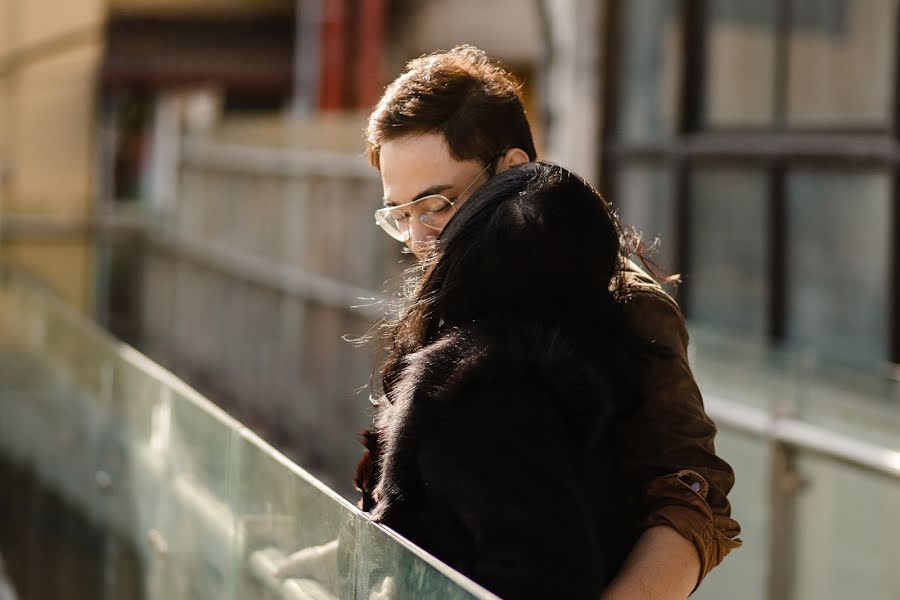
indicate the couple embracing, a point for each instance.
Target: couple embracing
{"x":537,"y":425}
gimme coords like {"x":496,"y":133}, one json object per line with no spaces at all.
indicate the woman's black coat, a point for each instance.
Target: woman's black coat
{"x":495,"y":455}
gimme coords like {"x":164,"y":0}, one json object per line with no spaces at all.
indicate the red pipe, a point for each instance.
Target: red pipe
{"x":334,"y":59}
{"x":369,"y":51}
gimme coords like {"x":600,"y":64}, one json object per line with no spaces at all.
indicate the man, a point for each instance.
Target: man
{"x":440,"y":130}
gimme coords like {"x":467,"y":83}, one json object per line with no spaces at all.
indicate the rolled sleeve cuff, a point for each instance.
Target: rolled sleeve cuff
{"x":679,"y":501}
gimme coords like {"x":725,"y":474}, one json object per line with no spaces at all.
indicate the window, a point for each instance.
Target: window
{"x":759,"y":140}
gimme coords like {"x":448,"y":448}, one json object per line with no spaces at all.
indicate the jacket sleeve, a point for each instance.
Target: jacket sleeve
{"x":512,"y":487}
{"x":667,"y":447}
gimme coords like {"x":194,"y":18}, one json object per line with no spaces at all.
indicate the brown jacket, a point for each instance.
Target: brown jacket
{"x":667,"y":448}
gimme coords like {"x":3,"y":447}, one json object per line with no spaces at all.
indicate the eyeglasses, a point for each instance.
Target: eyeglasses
{"x":432,"y":211}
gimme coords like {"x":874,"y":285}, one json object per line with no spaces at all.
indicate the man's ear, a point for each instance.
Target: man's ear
{"x":511,"y":158}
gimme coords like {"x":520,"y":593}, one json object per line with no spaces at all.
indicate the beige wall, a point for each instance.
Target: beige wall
{"x":6,"y":29}
{"x":43,"y":21}
{"x":4,"y":128}
{"x":53,"y":103}
{"x":49,"y":55}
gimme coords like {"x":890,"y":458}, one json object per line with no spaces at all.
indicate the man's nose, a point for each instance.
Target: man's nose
{"x":420,"y":236}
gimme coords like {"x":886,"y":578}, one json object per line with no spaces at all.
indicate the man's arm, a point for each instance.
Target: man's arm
{"x":667,"y":446}
{"x":662,"y":566}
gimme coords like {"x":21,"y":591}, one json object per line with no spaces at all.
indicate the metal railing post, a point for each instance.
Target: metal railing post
{"x":782,"y":487}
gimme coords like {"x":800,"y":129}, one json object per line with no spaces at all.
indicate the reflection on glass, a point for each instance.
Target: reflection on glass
{"x":838,"y":261}
{"x":841,"y":62}
{"x":644,"y":201}
{"x":740,"y":63}
{"x":650,"y":66}
{"x":728,"y":249}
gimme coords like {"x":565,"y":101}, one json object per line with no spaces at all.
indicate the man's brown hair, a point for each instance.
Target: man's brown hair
{"x":474,"y":103}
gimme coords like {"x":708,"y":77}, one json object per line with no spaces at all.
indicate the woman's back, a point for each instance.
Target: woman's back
{"x":497,"y":459}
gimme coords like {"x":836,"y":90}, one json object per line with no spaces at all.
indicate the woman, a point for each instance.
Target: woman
{"x":494,"y":447}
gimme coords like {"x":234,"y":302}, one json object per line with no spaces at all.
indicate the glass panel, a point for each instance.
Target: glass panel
{"x":841,"y":62}
{"x":740,"y":63}
{"x":193,"y":533}
{"x":728,"y":277}
{"x":156,"y":493}
{"x":650,"y":66}
{"x":279,"y":515}
{"x":644,"y":201}
{"x":847,"y":524}
{"x":282,"y":517}
{"x":384,"y":564}
{"x":838,"y":264}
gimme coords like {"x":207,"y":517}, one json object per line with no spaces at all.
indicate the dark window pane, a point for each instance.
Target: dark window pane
{"x":841,"y":62}
{"x":740,"y":63}
{"x":838,"y":263}
{"x":650,"y":65}
{"x":728,"y":228}
{"x":644,"y":201}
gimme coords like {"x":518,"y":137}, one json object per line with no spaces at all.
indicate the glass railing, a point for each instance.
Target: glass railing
{"x":131,"y":485}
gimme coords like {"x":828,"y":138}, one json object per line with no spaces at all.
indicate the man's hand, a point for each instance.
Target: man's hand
{"x":662,"y":566}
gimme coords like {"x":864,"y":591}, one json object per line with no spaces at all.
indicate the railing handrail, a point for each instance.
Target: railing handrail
{"x":268,"y":273}
{"x":804,"y":436}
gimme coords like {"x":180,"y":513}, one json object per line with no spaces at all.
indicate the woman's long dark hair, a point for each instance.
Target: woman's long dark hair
{"x":535,"y":246}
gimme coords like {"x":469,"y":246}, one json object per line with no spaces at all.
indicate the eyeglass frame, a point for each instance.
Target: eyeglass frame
{"x":380,"y":219}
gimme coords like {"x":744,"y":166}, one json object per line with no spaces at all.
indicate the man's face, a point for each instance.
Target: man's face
{"x":420,"y":165}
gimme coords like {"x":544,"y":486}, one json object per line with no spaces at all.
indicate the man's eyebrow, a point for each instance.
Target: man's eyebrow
{"x":435,"y":189}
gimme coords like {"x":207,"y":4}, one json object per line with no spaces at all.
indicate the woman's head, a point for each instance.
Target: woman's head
{"x":535,"y":246}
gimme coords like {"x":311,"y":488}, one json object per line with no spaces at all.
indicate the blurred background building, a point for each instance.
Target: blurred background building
{"x":189,"y":174}
{"x":760,"y":141}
